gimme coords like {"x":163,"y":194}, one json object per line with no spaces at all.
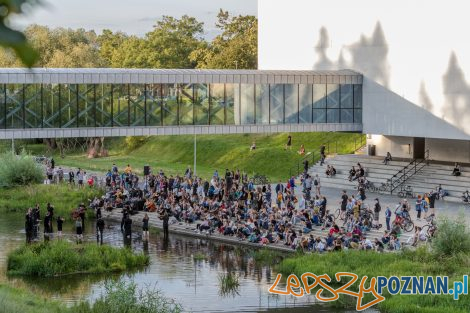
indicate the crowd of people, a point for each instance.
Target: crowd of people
{"x":232,"y":205}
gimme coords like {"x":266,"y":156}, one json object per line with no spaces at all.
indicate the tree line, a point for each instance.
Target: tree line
{"x":172,"y":43}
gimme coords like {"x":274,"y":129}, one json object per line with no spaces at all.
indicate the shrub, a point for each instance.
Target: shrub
{"x":452,"y":237}
{"x":57,"y":258}
{"x":121,"y":296}
{"x":134,"y":142}
{"x":19,"y":170}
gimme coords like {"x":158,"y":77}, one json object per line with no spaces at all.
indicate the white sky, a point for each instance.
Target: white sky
{"x":133,"y":17}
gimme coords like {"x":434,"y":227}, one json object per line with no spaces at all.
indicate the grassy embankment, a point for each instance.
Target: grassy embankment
{"x":173,"y":154}
{"x":119,"y":297}
{"x":449,"y":256}
{"x":62,"y":197}
{"x":58,"y":258}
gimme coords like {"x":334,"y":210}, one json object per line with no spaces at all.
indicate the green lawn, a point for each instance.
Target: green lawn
{"x":174,"y":153}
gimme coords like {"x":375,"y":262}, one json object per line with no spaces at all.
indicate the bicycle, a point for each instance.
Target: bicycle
{"x":385,"y":187}
{"x":430,"y":228}
{"x":406,"y":192}
{"x":339,"y":214}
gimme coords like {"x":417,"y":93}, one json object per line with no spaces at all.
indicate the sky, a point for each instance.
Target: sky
{"x":130,"y":16}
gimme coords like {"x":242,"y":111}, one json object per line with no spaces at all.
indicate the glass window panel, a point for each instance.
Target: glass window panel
{"x":319,"y":115}
{"x":262,"y":104}
{"x":50,"y":105}
{"x":232,"y":99}
{"x":277,"y":104}
{"x":86,"y":105}
{"x":247,"y":108}
{"x":154,"y":104}
{"x":120,"y":105}
{"x":170,"y":104}
{"x":137,"y":104}
{"x":292,"y":104}
{"x":103,"y":105}
{"x":68,"y":105}
{"x":358,"y":96}
{"x":357,"y":116}
{"x":332,"y":116}
{"x":2,"y":106}
{"x":346,"y":115}
{"x":201,"y":106}
{"x":346,"y":96}
{"x":319,"y":96}
{"x":332,"y":98}
{"x":217,"y":104}
{"x":14,"y":103}
{"x":186,"y":101}
{"x":305,"y":103}
{"x":32,"y":105}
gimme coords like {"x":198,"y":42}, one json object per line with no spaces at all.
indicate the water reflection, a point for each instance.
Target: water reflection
{"x":185,"y":269}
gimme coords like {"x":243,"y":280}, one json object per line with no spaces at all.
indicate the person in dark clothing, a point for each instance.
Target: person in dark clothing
{"x":47,"y":226}
{"x":305,"y":166}
{"x":289,"y":143}
{"x":36,"y":221}
{"x":432,"y":202}
{"x":164,"y":216}
{"x":125,"y":214}
{"x":82,"y":210}
{"x":71,"y":178}
{"x":50,"y":210}
{"x":145,"y":227}
{"x":344,"y":202}
{"x":52,"y":163}
{"x":60,"y":222}
{"x":128,"y":227}
{"x":29,"y":225}
{"x":99,"y":230}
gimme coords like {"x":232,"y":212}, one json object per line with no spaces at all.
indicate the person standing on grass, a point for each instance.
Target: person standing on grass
{"x":71,"y":178}
{"x":289,"y":143}
{"x":80,"y":178}
{"x":145,"y":227}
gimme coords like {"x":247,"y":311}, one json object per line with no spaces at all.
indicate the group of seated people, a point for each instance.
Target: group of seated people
{"x":356,"y":173}
{"x":330,"y":171}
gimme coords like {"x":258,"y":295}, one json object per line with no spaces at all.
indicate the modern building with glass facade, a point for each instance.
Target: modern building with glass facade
{"x":41,"y":103}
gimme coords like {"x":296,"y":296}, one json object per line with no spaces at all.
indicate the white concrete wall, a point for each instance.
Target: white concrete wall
{"x":418,"y":50}
{"x":399,"y":147}
{"x":449,"y":150}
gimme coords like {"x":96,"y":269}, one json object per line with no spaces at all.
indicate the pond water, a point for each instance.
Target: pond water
{"x":174,"y":270}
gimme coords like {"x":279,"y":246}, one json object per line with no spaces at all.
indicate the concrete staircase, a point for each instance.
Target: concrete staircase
{"x":427,"y":179}
{"x":376,"y":171}
{"x":434,"y":174}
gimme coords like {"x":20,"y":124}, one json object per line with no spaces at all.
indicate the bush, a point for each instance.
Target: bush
{"x":125,"y":297}
{"x":19,"y":170}
{"x":134,"y":142}
{"x":58,"y":258}
{"x":452,"y":237}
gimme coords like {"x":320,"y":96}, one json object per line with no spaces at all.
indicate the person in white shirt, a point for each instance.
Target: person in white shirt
{"x":301,"y":203}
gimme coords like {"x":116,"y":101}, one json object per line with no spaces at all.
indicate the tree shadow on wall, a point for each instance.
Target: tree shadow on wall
{"x":368,"y":55}
{"x":456,"y":93}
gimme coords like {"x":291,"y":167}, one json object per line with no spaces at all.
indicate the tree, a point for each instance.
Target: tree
{"x":172,"y":41}
{"x":236,"y":47}
{"x":13,"y":39}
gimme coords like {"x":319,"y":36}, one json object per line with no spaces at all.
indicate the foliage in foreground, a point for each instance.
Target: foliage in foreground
{"x":448,"y":258}
{"x":118,"y":297}
{"x":62,"y":197}
{"x":19,"y":170}
{"x":122,"y":297}
{"x":61,"y":257}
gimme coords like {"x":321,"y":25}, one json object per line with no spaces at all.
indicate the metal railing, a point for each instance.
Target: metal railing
{"x":296,"y":169}
{"x":408,"y":171}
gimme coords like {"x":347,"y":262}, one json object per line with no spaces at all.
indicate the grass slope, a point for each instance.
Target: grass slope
{"x":174,"y":153}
